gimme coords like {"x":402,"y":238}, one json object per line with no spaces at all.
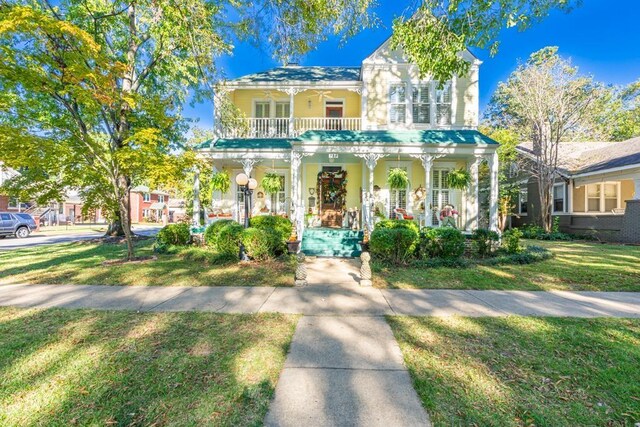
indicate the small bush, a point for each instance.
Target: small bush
{"x":532,"y":231}
{"x":511,"y":241}
{"x":173,"y":234}
{"x":394,"y":245}
{"x":398,"y":223}
{"x":483,"y":241}
{"x":281,"y":226}
{"x":259,"y":243}
{"x":229,"y":239}
{"x":443,"y":242}
{"x":528,"y":256}
{"x":212,"y":232}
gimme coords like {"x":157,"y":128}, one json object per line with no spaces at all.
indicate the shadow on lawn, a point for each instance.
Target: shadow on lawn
{"x":81,"y":263}
{"x":524,"y":371}
{"x":82,"y":367}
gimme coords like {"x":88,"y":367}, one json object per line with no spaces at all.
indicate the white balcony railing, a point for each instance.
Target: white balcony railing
{"x":285,"y":128}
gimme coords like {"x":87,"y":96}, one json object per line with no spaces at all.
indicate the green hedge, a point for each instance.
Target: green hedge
{"x":511,"y":241}
{"x":394,"y":244}
{"x":280,"y":226}
{"x":212,"y":232}
{"x":443,"y":242}
{"x":260,"y":244}
{"x":398,"y":223}
{"x":483,"y":241}
{"x":173,"y":234}
{"x":229,"y":239}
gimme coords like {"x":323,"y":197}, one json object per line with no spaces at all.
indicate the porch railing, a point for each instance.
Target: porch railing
{"x":286,"y":128}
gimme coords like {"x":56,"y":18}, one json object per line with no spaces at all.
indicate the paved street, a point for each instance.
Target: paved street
{"x":41,"y":238}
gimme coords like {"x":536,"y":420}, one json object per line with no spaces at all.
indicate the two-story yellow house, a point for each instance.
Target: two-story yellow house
{"x":334,"y":133}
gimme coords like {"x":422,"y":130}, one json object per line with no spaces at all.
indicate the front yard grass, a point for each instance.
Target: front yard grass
{"x":576,"y":266}
{"x":81,"y":263}
{"x":83,"y":367}
{"x":519,"y":371}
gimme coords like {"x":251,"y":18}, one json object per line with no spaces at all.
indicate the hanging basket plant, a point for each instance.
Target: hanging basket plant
{"x":398,"y":179}
{"x":459,"y":179}
{"x":271,"y":183}
{"x":221,"y":182}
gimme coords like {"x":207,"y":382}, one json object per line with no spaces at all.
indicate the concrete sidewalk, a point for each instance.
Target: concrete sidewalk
{"x":318,"y":300}
{"x":345,"y":371}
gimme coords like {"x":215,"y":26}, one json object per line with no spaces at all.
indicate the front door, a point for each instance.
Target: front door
{"x":332,"y":195}
{"x":333,"y":113}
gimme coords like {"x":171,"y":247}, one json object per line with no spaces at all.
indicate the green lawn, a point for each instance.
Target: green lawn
{"x":82,"y":367}
{"x":575,"y":266}
{"x":519,"y":371}
{"x":81,"y":263}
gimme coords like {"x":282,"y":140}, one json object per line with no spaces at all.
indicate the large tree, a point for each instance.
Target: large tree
{"x":546,"y":101}
{"x":91,"y":91}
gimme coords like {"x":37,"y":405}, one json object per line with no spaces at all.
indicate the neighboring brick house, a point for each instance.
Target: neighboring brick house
{"x":596,"y":192}
{"x":7,"y":203}
{"x":148,"y":205}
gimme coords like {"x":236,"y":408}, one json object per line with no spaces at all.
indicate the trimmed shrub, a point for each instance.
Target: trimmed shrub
{"x":443,"y":242}
{"x":229,"y":239}
{"x":529,"y":255}
{"x":531,"y":231}
{"x":174,"y":234}
{"x":394,"y":245}
{"x":483,"y":241}
{"x":511,"y":241}
{"x":259,"y":243}
{"x":280,"y":226}
{"x":212,"y":232}
{"x":398,"y":223}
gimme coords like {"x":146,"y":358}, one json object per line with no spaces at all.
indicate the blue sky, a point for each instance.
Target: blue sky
{"x":602,"y":38}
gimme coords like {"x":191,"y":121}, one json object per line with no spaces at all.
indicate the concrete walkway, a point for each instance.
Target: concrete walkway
{"x":345,"y":371}
{"x":319,"y":300}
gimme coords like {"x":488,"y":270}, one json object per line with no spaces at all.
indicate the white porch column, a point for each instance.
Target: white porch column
{"x":493,"y":197}
{"x":297,"y":207}
{"x":427,"y":164}
{"x":292,"y":93}
{"x":196,"y":197}
{"x":371,"y":160}
{"x":473,"y":200}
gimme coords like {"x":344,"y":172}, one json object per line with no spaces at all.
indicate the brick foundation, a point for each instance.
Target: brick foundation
{"x":630,"y":230}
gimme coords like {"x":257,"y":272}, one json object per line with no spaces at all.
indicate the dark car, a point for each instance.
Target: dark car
{"x":16,"y":224}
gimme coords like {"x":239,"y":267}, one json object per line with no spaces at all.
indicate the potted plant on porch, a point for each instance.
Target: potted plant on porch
{"x":293,"y":244}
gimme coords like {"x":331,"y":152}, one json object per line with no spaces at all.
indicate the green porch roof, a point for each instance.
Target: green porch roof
{"x":247,"y":144}
{"x":359,"y":137}
{"x":398,"y":136}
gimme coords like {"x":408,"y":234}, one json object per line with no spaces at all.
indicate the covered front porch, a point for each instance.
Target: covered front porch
{"x":338,"y":179}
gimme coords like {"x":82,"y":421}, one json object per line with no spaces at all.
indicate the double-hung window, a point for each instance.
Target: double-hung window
{"x":161,"y":198}
{"x":602,"y":197}
{"x":559,"y":198}
{"x":421,"y":104}
{"x":397,"y":103}
{"x":146,"y":197}
{"x":443,"y":104}
{"x":524,"y":200}
{"x":278,"y":199}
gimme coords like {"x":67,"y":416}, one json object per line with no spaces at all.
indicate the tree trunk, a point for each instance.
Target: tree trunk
{"x":123,"y":185}
{"x":115,"y":228}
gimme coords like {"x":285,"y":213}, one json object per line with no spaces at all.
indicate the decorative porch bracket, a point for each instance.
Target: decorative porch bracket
{"x":247,"y":165}
{"x":370,"y":159}
{"x":427,"y":164}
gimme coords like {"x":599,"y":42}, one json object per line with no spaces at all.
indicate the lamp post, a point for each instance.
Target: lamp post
{"x":247,"y":185}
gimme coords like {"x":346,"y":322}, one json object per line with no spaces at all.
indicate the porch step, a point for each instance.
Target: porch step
{"x":331,"y":242}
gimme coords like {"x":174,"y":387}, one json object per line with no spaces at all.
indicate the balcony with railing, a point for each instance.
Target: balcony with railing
{"x":287,"y":127}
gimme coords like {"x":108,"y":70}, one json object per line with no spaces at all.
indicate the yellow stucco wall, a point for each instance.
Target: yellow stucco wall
{"x":310,"y":103}
{"x":627,"y":190}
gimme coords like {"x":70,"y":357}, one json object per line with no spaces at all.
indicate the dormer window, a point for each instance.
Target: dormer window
{"x":397,"y":103}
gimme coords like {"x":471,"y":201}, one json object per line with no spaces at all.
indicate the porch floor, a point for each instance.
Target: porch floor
{"x":331,"y":242}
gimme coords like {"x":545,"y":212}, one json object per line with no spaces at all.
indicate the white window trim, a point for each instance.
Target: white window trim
{"x":520,"y":213}
{"x":564,"y":198}
{"x":602,"y":198}
{"x":433,"y":105}
{"x":146,"y":197}
{"x":407,"y":112}
{"x":324,"y":106}
{"x":272,"y":106}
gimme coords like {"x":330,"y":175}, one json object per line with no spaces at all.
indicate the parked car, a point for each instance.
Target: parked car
{"x":16,"y":224}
